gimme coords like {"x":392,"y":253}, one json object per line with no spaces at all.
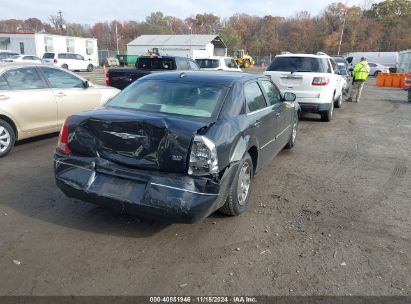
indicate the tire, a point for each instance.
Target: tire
{"x":246,"y":64}
{"x":293,"y":136}
{"x":65,"y":66}
{"x":376,"y":73}
{"x":235,"y":205}
{"x":338,"y":103}
{"x":328,"y":115}
{"x":90,"y":68}
{"x":7,"y":138}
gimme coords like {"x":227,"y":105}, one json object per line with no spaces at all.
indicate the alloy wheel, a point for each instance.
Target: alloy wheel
{"x":4,"y":139}
{"x":244,"y":182}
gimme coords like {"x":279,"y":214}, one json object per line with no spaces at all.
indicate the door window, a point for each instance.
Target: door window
{"x":62,"y":56}
{"x":61,"y":79}
{"x":254,"y":97}
{"x":193,"y":65}
{"x":24,"y":79}
{"x":3,"y":84}
{"x":272,"y":92}
{"x":78,"y":57}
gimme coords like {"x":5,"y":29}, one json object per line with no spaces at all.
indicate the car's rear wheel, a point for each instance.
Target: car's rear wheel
{"x":293,"y":136}
{"x":90,"y":68}
{"x":65,"y":66}
{"x":7,"y":138}
{"x":239,"y":195}
{"x":328,"y":115}
{"x":376,"y":73}
{"x":338,"y":103}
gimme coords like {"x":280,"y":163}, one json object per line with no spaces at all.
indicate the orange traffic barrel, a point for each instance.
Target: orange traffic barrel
{"x":402,"y":80}
{"x":396,"y":79}
{"x":387,"y":80}
{"x":380,"y":80}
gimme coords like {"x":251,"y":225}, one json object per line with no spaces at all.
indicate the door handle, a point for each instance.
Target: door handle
{"x":278,"y":114}
{"x":256,"y":124}
{"x":4,"y":97}
{"x":61,"y":94}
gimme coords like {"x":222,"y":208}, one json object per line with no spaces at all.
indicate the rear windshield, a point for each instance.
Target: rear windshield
{"x":181,"y":98}
{"x":208,"y":63}
{"x":299,"y":64}
{"x":155,"y":64}
{"x":6,"y":55}
{"x":48,"y":56}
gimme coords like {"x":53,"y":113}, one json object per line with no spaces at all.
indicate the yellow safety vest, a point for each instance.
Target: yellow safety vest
{"x":361,"y":71}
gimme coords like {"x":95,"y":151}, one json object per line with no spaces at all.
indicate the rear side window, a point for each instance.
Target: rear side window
{"x":61,"y":79}
{"x":48,"y":56}
{"x":155,"y":64}
{"x":3,"y":83}
{"x":300,"y":64}
{"x":62,"y":56}
{"x":24,"y":79}
{"x":254,"y":98}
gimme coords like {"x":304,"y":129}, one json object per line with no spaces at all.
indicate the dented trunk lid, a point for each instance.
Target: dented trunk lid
{"x":134,"y":139}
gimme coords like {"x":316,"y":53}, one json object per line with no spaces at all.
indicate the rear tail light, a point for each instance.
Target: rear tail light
{"x":55,"y":60}
{"x":203,"y":157}
{"x":320,"y":81}
{"x":107,"y":79}
{"x":62,"y":145}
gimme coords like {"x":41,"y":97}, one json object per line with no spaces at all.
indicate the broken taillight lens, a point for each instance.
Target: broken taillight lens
{"x":203,"y":157}
{"x":62,"y":145}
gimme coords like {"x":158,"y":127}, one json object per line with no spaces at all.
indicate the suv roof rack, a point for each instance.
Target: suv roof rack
{"x":285,"y":52}
{"x":321,"y":53}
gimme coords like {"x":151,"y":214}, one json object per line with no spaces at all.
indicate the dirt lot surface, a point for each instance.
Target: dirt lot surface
{"x":331,"y":217}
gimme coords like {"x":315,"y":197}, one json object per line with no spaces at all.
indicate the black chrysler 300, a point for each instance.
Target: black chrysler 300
{"x":176,"y":146}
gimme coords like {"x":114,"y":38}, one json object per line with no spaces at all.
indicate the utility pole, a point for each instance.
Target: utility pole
{"x":117,"y":39}
{"x":342,"y":29}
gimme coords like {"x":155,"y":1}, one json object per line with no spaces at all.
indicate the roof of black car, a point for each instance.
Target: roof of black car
{"x":217,"y":77}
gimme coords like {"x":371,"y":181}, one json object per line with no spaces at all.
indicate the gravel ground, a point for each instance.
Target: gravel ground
{"x":330,"y":217}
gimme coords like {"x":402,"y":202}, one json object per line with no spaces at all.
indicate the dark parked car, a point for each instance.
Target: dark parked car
{"x":145,"y":65}
{"x":176,"y":146}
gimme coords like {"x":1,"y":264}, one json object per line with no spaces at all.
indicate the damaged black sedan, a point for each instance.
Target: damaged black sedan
{"x":176,"y":146}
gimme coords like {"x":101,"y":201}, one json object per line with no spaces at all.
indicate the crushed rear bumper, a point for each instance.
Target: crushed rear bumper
{"x":162,"y":196}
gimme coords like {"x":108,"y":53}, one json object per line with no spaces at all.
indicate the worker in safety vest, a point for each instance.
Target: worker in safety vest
{"x":360,"y":75}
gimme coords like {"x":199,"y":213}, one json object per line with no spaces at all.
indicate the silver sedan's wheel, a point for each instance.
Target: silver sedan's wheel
{"x":243,"y":185}
{"x":4,"y":139}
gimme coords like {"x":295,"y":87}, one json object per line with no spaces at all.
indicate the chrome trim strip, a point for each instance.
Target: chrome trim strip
{"x":269,"y":142}
{"x":63,"y":163}
{"x":282,"y":132}
{"x":185,"y":190}
{"x":261,"y":110}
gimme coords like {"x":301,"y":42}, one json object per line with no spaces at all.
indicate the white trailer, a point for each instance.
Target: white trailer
{"x":404,"y":65}
{"x":39,"y":43}
{"x":389,"y":59}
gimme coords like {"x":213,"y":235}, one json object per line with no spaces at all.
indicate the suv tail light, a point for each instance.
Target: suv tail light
{"x":62,"y":145}
{"x":107,"y":79}
{"x":55,"y":60}
{"x":203,"y":157}
{"x":320,"y":81}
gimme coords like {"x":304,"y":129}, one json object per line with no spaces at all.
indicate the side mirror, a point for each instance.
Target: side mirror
{"x":86,"y":84}
{"x":288,"y":96}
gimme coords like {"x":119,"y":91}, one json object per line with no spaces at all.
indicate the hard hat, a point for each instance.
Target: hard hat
{"x":363,"y":58}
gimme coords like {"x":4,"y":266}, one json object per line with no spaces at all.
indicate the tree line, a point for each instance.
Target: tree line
{"x":383,"y":26}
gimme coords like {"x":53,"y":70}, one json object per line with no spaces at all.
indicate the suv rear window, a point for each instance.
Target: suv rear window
{"x":208,"y":63}
{"x":299,"y":64}
{"x":155,"y":64}
{"x":48,"y":56}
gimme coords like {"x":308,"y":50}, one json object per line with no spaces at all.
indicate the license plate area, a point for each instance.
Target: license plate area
{"x":119,"y":188}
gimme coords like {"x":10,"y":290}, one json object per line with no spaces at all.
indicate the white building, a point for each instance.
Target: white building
{"x":38,"y":44}
{"x":192,"y":46}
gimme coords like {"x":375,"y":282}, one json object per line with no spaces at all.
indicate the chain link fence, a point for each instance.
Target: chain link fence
{"x":104,"y":54}
{"x":263,"y":61}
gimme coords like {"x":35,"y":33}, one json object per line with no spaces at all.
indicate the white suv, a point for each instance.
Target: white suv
{"x":218,"y":64}
{"x":314,"y":79}
{"x":69,"y":61}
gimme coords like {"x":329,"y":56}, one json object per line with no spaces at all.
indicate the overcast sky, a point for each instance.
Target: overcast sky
{"x":91,"y":11}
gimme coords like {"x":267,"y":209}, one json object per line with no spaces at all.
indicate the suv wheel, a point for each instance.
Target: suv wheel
{"x":65,"y":66}
{"x":239,"y":195}
{"x":328,"y":115}
{"x":90,"y":68}
{"x":7,"y":138}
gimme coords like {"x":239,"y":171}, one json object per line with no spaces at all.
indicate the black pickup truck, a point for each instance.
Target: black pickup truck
{"x":122,"y":77}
